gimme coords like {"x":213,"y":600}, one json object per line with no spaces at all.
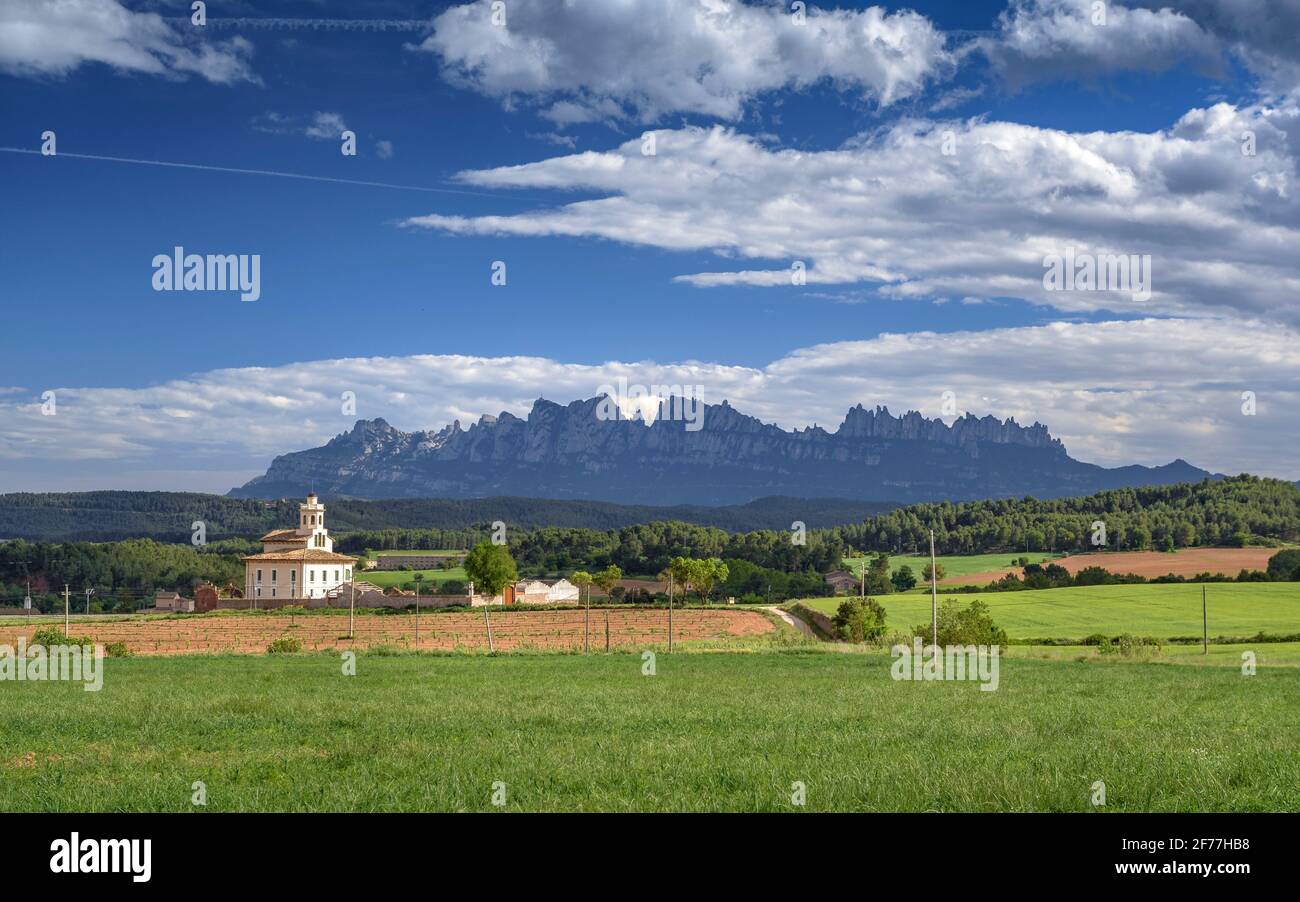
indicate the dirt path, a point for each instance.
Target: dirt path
{"x":793,"y":621}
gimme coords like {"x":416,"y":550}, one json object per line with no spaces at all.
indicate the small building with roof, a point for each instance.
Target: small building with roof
{"x":297,"y":563}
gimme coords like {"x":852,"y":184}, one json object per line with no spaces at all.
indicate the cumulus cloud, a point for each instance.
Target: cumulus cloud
{"x":894,"y":209}
{"x":647,"y":58}
{"x":1044,"y":40}
{"x":43,"y":38}
{"x":1145,"y":391}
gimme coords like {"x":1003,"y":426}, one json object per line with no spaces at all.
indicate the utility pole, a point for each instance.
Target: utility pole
{"x":934,"y":596}
{"x":607,"y":629}
{"x":418,"y":580}
{"x":352,"y":607}
{"x":66,"y":605}
{"x":1205,"y":625}
{"x":670,"y":611}
{"x":89,"y":592}
{"x":863,"y":573}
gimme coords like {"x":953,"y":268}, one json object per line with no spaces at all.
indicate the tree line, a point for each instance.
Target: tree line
{"x":1236,"y":510}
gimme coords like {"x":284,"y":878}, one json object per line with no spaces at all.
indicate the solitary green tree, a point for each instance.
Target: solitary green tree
{"x":683,"y":571}
{"x":707,"y":574}
{"x":492,"y":569}
{"x":608,"y":578}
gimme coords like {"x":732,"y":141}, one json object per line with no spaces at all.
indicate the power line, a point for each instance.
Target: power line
{"x":272,"y":172}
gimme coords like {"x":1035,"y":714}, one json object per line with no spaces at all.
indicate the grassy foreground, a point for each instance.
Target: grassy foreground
{"x":710,"y":731}
{"x":1161,"y":610}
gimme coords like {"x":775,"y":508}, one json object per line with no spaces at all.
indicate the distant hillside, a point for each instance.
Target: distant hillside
{"x":167,"y":516}
{"x":1227,"y":511}
{"x":719,"y":456}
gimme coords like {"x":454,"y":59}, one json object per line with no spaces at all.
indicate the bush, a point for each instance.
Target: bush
{"x":285,"y":645}
{"x":1136,"y":646}
{"x":118,"y":650}
{"x":52,"y":635}
{"x":904,"y":578}
{"x":969,"y":626}
{"x":1285,"y":565}
{"x":860,"y":620}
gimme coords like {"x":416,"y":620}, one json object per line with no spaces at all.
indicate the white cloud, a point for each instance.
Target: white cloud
{"x":648,"y":58}
{"x":326,"y":126}
{"x":1043,"y":40}
{"x":1116,"y":393}
{"x":1222,"y":228}
{"x":54,"y":37}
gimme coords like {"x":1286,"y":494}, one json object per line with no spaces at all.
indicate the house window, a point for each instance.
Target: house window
{"x":336,"y":576}
{"x":259,"y":591}
{"x":273,"y":575}
{"x":259,"y":575}
{"x":273,"y":591}
{"x":311,"y":576}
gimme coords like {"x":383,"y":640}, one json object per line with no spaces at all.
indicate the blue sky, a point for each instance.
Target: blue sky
{"x":352,"y":271}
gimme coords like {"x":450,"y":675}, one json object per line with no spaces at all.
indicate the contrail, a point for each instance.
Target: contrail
{"x":286,"y":175}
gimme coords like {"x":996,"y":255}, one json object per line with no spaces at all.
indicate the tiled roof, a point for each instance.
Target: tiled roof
{"x":309,"y":555}
{"x":283,"y":535}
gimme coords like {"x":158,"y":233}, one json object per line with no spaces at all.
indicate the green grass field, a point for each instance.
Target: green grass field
{"x":440,"y":552}
{"x":953,"y":564}
{"x":1267,"y":654}
{"x":1159,"y":610}
{"x":385,"y":578}
{"x":710,"y":731}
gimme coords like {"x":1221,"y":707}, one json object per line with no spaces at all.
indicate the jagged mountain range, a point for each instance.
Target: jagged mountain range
{"x":576,"y":451}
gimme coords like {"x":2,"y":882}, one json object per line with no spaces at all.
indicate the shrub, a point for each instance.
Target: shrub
{"x":969,"y":626}
{"x":860,"y":620}
{"x":52,"y":635}
{"x":1285,"y":565}
{"x":285,"y":645}
{"x":904,"y":578}
{"x":1136,"y":646}
{"x":118,"y":650}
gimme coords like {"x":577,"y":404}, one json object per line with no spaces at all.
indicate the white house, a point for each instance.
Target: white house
{"x":545,"y":591}
{"x":297,"y":563}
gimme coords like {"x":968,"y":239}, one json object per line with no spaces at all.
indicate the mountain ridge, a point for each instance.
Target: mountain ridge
{"x":589,"y":450}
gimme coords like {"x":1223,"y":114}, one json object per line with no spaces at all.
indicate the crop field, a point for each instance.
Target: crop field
{"x":707,"y":731}
{"x":1186,"y":562}
{"x":955,"y":565}
{"x":1160,"y":610}
{"x":239,"y":633}
{"x":430,"y":579}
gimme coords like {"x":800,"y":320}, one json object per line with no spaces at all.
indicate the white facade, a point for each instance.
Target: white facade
{"x":297,"y":563}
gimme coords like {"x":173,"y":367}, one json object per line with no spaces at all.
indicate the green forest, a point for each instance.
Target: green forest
{"x":768,"y":563}
{"x":1231,"y":511}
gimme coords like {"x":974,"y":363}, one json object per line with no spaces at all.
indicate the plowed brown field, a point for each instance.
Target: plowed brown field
{"x":510,"y":630}
{"x":1187,"y":562}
